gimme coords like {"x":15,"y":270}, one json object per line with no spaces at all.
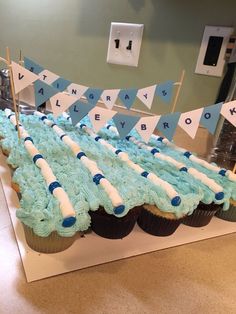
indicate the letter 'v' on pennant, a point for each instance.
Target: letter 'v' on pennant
{"x":22,"y":77}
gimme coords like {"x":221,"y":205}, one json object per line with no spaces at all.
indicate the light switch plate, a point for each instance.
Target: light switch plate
{"x":123,"y":36}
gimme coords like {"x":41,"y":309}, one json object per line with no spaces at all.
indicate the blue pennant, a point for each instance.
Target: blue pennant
{"x":168,"y":123}
{"x":124,"y":123}
{"x":127,"y":96}
{"x":43,"y":92}
{"x":61,"y":84}
{"x":79,"y":110}
{"x":210,"y":117}
{"x":32,"y":66}
{"x":165,"y":91}
{"x":93,"y":95}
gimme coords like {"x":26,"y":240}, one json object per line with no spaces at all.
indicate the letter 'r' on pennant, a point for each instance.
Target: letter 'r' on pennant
{"x":79,"y":110}
{"x":61,"y":84}
{"x":43,"y":92}
{"x":189,"y":121}
{"x":32,"y":66}
{"x":61,"y":102}
{"x":99,"y":117}
{"x":228,"y":111}
{"x":109,"y":97}
{"x":210,"y":117}
{"x":127,"y":96}
{"x":124,"y":123}
{"x":93,"y":95}
{"x":146,"y":95}
{"x":165,"y":91}
{"x":146,"y":126}
{"x":168,"y":124}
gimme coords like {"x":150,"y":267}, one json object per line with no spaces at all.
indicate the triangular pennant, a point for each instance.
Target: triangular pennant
{"x":189,"y":121}
{"x":61,"y":84}
{"x":43,"y":92}
{"x":79,"y":110}
{"x":61,"y":102}
{"x":99,"y":117}
{"x":22,"y":77}
{"x":228,"y":110}
{"x":210,"y":117}
{"x":48,"y":77}
{"x":32,"y":66}
{"x":109,"y":97}
{"x":146,"y":126}
{"x":127,"y":96}
{"x":93,"y":95}
{"x":146,"y":95}
{"x":76,"y":90}
{"x":168,"y":123}
{"x":165,"y":91}
{"x":124,"y":123}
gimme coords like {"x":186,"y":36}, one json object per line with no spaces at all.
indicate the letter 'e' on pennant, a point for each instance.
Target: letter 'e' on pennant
{"x":146,"y":95}
{"x":22,"y":77}
{"x":228,"y":111}
{"x":124,"y":123}
{"x":109,"y":97}
{"x":168,"y":123}
{"x":61,"y":102}
{"x":146,"y":126}
{"x":189,"y":121}
{"x":99,"y":117}
{"x":210,"y":117}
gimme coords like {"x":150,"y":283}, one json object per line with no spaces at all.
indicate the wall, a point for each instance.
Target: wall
{"x":70,"y":37}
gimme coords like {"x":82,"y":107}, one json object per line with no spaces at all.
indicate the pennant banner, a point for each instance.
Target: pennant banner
{"x":189,"y":121}
{"x":48,"y":77}
{"x":93,"y":95}
{"x":127,"y":96}
{"x":109,"y":97}
{"x":32,"y":66}
{"x":146,"y":95}
{"x":165,"y":91}
{"x":43,"y":92}
{"x":124,"y":123}
{"x":61,"y":102}
{"x":228,"y":111}
{"x":61,"y":84}
{"x":79,"y":110}
{"x":99,"y":117}
{"x":168,"y":124}
{"x":146,"y":126}
{"x":76,"y":90}
{"x":210,"y":117}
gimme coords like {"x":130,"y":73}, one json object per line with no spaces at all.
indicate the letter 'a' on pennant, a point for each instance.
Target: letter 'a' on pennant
{"x":43,"y":92}
{"x":48,"y":77}
{"x":79,"y":110}
{"x":146,"y":95}
{"x":189,"y":121}
{"x":165,"y":91}
{"x":93,"y":95}
{"x":168,"y":124}
{"x":124,"y":123}
{"x":32,"y":66}
{"x":22,"y":77}
{"x":146,"y":126}
{"x":76,"y":90}
{"x":127,"y":96}
{"x":109,"y":97}
{"x":61,"y":102}
{"x":228,"y":111}
{"x":210,"y":117}
{"x":99,"y":117}
{"x":61,"y":84}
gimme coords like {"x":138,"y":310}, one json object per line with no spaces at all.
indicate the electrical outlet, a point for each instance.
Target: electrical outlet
{"x":124,"y":43}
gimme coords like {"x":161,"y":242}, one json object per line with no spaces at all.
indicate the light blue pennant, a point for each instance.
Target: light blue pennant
{"x":32,"y":66}
{"x":168,"y":123}
{"x":61,"y":84}
{"x":165,"y":91}
{"x":79,"y":110}
{"x":124,"y":123}
{"x":210,"y":117}
{"x":93,"y":95}
{"x":127,"y":96}
{"x":43,"y":92}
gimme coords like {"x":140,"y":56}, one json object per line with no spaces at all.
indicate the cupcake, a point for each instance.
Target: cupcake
{"x":230,"y":214}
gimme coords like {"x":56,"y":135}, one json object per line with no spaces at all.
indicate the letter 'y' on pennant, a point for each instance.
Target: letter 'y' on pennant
{"x":48,"y":77}
{"x":189,"y":121}
{"x":109,"y":97}
{"x":43,"y":92}
{"x":22,"y":77}
{"x":61,"y":102}
{"x":228,"y":111}
{"x":99,"y":117}
{"x":210,"y":117}
{"x":79,"y":110}
{"x":146,"y":95}
{"x":146,"y":126}
{"x":168,"y":123}
{"x":127,"y":96}
{"x":124,"y":123}
{"x":76,"y":90}
{"x":32,"y":66}
{"x":165,"y":91}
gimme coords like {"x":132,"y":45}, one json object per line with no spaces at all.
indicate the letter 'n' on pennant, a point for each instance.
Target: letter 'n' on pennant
{"x":228,"y":111}
{"x":99,"y":117}
{"x":146,"y":126}
{"x":22,"y":77}
{"x":76,"y":90}
{"x":189,"y":121}
{"x":61,"y":102}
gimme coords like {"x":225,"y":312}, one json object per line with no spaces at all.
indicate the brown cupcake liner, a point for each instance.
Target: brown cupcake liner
{"x":229,"y":215}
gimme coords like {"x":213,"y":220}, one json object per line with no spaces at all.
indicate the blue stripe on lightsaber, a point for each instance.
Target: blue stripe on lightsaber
{"x":36,"y":157}
{"x":43,"y":118}
{"x":80,"y":154}
{"x":82,"y":125}
{"x":97,"y":177}
{"x":160,"y":139}
{"x":183,"y":169}
{"x":154,"y":151}
{"x":28,"y":138}
{"x":222,"y":172}
{"x":119,"y":209}
{"x":187,"y":154}
{"x":54,"y":185}
{"x":219,"y":196}
{"x":97,"y":138}
{"x":108,"y":127}
{"x":118,"y":151}
{"x":61,"y":137}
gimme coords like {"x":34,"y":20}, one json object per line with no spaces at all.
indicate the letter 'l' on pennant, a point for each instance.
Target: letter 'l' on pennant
{"x":93,"y":95}
{"x":127,"y":96}
{"x":43,"y":92}
{"x":48,"y":77}
{"x":32,"y":66}
{"x":210,"y":117}
{"x":79,"y":110}
{"x":99,"y":117}
{"x":61,"y":84}
{"x":76,"y":90}
{"x":109,"y":97}
{"x":146,"y":95}
{"x":189,"y":121}
{"x":146,"y":126}
{"x":168,"y":124}
{"x":165,"y":91}
{"x":124,"y":123}
{"x":228,"y":111}
{"x":61,"y":102}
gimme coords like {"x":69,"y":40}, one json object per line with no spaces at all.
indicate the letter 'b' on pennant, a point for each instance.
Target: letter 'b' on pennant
{"x":146,"y":126}
{"x":124,"y":123}
{"x":99,"y":117}
{"x":168,"y":123}
{"x":61,"y":102}
{"x":146,"y":95}
{"x":228,"y":111}
{"x":189,"y":121}
{"x":210,"y":117}
{"x":165,"y":91}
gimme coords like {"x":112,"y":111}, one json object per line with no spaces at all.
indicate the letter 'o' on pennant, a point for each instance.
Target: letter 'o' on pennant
{"x":61,"y":84}
{"x":109,"y":97}
{"x":93,"y":95}
{"x":189,"y":121}
{"x":76,"y":90}
{"x":99,"y":117}
{"x":146,"y":95}
{"x":79,"y":110}
{"x":165,"y":91}
{"x":61,"y":102}
{"x":146,"y":126}
{"x":22,"y":77}
{"x":210,"y":117}
{"x":127,"y":96}
{"x":48,"y":77}
{"x":228,"y":111}
{"x":43,"y":92}
{"x":32,"y":66}
{"x":168,"y":124}
{"x":124,"y":123}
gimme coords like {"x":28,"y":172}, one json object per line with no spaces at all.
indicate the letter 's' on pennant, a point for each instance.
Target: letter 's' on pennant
{"x":109,"y":97}
{"x":124,"y":123}
{"x":228,"y":111}
{"x":189,"y":121}
{"x":93,"y":95}
{"x":61,"y":102}
{"x":43,"y":92}
{"x":79,"y":110}
{"x":127,"y":96}
{"x":146,"y":95}
{"x":210,"y":117}
{"x":32,"y":66}
{"x":61,"y":84}
{"x":146,"y":126}
{"x":99,"y":117}
{"x":168,"y":123}
{"x":165,"y":91}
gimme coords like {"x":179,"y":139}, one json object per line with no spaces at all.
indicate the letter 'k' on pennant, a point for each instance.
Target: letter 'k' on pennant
{"x":124,"y":123}
{"x":22,"y":77}
{"x":228,"y":111}
{"x":127,"y":96}
{"x":168,"y":124}
{"x":43,"y":92}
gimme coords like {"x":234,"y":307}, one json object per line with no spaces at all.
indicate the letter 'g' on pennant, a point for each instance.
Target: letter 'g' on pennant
{"x":165,"y":91}
{"x":127,"y":96}
{"x":210,"y":117}
{"x":99,"y":117}
{"x":124,"y":123}
{"x":93,"y":95}
{"x":61,"y":84}
{"x":32,"y":66}
{"x":43,"y":92}
{"x":61,"y":102}
{"x":146,"y":126}
{"x":79,"y":110}
{"x":228,"y":111}
{"x":109,"y":97}
{"x":168,"y":123}
{"x":189,"y":121}
{"x":146,"y":95}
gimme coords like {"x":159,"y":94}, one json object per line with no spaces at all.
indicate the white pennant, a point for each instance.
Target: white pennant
{"x":146,"y":126}
{"x":22,"y":77}
{"x":109,"y":97}
{"x":48,"y":77}
{"x":99,"y":117}
{"x":228,"y":110}
{"x":61,"y":102}
{"x":76,"y":90}
{"x":189,"y":121}
{"x":146,"y":95}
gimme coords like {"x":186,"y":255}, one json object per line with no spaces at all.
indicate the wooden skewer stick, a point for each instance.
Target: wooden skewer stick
{"x":178,"y":91}
{"x":18,"y":95}
{"x":234,"y":169}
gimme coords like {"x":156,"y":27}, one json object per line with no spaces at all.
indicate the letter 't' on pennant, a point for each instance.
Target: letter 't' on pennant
{"x":22,"y":77}
{"x":109,"y":97}
{"x":43,"y":92}
{"x":76,"y":90}
{"x":93,"y":95}
{"x":79,"y":110}
{"x":124,"y":123}
{"x":127,"y":96}
{"x":146,"y":126}
{"x":61,"y":102}
{"x":189,"y":121}
{"x":61,"y":84}
{"x":32,"y":66}
{"x":48,"y":77}
{"x":165,"y":91}
{"x":99,"y":117}
{"x":146,"y":95}
{"x":168,"y":124}
{"x":228,"y":111}
{"x":210,"y":117}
